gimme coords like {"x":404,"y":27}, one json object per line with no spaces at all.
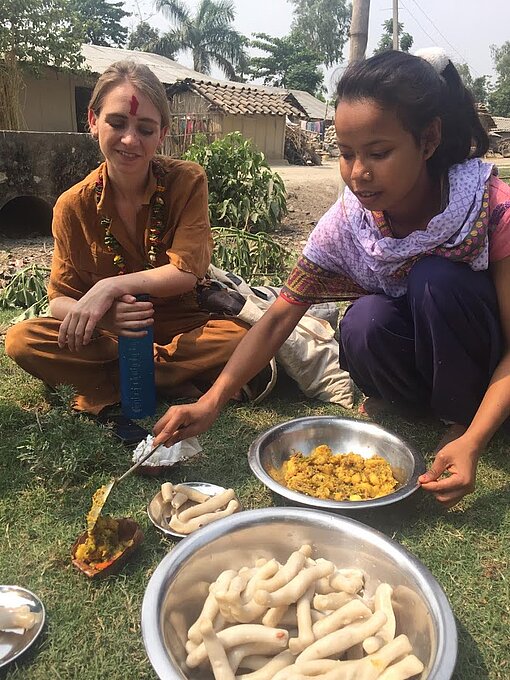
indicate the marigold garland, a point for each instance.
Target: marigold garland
{"x":155,"y":228}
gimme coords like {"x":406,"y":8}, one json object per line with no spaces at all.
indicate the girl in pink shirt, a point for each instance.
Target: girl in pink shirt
{"x":420,"y":242}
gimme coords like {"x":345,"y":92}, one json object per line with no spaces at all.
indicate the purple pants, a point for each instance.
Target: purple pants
{"x":436,"y":346}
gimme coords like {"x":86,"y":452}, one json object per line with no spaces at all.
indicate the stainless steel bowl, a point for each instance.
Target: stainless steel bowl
{"x":343,"y":435}
{"x":155,"y":509}
{"x":179,"y":586}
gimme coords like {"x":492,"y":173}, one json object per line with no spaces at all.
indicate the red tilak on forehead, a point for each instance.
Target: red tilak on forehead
{"x":134,"y":106}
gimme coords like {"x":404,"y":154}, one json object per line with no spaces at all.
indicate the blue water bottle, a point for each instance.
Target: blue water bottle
{"x":136,"y":367}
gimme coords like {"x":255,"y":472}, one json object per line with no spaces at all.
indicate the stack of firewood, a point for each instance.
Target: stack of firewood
{"x":301,"y":146}
{"x":330,"y":143}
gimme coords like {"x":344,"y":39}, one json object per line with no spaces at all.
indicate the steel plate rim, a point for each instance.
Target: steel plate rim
{"x":40,"y":625}
{"x":195,"y":485}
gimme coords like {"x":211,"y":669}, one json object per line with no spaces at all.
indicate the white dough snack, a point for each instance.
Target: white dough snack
{"x":305,"y":619}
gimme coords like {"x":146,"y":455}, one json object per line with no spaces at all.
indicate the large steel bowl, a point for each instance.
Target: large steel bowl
{"x":179,"y":586}
{"x":343,"y":435}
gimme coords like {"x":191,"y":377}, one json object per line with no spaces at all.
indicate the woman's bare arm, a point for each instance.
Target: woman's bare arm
{"x":495,"y":406}
{"x":82,"y":317}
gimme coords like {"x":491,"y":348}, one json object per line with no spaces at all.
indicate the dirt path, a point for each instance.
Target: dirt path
{"x":311,"y":190}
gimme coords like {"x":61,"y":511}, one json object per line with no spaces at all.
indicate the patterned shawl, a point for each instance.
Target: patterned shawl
{"x":352,"y":251}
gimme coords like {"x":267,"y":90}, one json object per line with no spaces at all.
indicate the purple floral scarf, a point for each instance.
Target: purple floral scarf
{"x":356,"y":243}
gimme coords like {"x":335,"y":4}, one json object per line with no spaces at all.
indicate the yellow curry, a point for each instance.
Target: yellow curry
{"x":103,"y":543}
{"x":338,"y":477}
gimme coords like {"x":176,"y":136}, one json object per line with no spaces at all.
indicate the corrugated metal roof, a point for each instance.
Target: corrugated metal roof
{"x":98,"y":59}
{"x":228,"y":96}
{"x":502,"y":124}
{"x":314,"y":108}
{"x":242,"y":100}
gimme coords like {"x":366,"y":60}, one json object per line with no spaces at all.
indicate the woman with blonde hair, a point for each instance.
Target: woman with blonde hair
{"x":137,"y":224}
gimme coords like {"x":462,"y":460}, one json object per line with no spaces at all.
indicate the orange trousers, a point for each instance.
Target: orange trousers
{"x":196,"y":356}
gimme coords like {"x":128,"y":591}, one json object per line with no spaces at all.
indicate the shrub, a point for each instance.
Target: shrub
{"x":244,"y":193}
{"x":255,"y":257}
{"x":26,"y":289}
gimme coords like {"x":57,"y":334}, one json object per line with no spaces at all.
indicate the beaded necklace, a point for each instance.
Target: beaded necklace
{"x":155,"y":227}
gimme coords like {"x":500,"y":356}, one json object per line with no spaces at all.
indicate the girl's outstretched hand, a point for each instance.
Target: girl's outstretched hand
{"x":457,"y":461}
{"x":182,"y":422}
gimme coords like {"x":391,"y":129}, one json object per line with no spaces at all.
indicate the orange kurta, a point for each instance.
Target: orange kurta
{"x":190,"y":345}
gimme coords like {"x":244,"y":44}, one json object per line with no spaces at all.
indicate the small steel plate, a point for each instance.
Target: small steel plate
{"x":155,"y":507}
{"x":13,"y":642}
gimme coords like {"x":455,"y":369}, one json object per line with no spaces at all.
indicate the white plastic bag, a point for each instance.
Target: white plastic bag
{"x":166,"y":455}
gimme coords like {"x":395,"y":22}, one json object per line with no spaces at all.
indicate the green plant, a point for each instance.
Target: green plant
{"x":209,"y":34}
{"x":62,"y":447}
{"x":244,"y":193}
{"x":504,"y":173}
{"x":34,"y":34}
{"x":288,"y":62}
{"x":26,"y":289}
{"x":256,"y":257}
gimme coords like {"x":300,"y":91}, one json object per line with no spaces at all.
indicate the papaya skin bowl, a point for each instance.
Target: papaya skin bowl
{"x":130,"y":537}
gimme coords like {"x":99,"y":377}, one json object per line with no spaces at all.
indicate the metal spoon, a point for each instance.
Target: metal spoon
{"x":100,"y":496}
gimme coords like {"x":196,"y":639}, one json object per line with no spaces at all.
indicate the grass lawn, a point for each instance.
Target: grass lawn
{"x":52,"y":461}
{"x":504,"y":173}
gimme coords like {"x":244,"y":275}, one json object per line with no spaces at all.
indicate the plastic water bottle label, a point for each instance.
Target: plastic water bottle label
{"x":136,"y":367}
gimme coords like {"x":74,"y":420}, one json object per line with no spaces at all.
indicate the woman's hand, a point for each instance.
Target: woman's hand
{"x":128,"y":317}
{"x":457,"y":458}
{"x":79,"y":323}
{"x":182,"y":422}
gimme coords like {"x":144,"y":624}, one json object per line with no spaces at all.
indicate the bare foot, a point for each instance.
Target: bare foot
{"x":375,"y":408}
{"x":185,"y":390}
{"x":372,"y":407}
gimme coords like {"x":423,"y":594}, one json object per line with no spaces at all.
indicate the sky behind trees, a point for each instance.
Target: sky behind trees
{"x":465,"y":28}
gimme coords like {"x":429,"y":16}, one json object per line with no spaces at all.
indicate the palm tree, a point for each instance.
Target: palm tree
{"x":209,"y":35}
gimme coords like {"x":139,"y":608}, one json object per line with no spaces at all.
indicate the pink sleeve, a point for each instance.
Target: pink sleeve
{"x":499,"y":219}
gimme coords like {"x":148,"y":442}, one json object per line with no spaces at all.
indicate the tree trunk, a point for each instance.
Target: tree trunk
{"x":359,"y":29}
{"x":11,"y":91}
{"x":358,"y":40}
{"x":395,"y":24}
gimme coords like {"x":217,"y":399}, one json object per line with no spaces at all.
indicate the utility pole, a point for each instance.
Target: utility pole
{"x":395,"y":24}
{"x":359,"y":29}
{"x":358,"y":42}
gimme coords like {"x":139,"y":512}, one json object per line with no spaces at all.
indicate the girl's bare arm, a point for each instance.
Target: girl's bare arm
{"x":495,"y":406}
{"x":255,"y":350}
{"x":80,"y":317}
{"x":460,"y":457}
